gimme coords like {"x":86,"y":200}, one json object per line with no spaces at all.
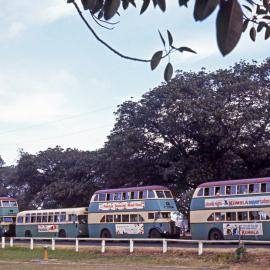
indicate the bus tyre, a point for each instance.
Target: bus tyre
{"x":105,"y":234}
{"x":28,"y":233}
{"x":62,"y":234}
{"x":215,"y":234}
{"x":154,"y":233}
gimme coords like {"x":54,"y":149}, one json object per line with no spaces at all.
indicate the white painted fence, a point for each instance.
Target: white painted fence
{"x":164,"y":242}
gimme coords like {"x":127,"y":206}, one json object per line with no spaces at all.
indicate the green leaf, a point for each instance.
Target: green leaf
{"x":170,"y":38}
{"x":267,"y":33}
{"x":203,"y":8}
{"x":185,"y":49}
{"x":144,"y":6}
{"x":110,"y":8}
{"x":229,"y":25}
{"x":162,"y":4}
{"x":252,"y":33}
{"x":245,"y":25}
{"x":162,"y":39}
{"x":247,"y":8}
{"x":168,"y":72}
{"x":156,"y":59}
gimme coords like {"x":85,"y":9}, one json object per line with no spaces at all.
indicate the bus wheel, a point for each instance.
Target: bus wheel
{"x":154,"y":233}
{"x":215,"y":234}
{"x":28,"y":234}
{"x":62,"y":234}
{"x":105,"y":234}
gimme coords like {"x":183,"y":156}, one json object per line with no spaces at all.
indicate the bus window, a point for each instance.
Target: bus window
{"x":219,"y":216}
{"x":72,"y":218}
{"x":117,"y":218}
{"x":102,"y":197}
{"x":27,"y":218}
{"x":228,"y":190}
{"x":254,"y":188}
{"x":96,"y":198}
{"x":57,"y":217}
{"x":151,"y":216}
{"x":44,"y":217}
{"x":230,"y":216}
{"x":136,"y":195}
{"x":132,"y":195}
{"x":117,"y":196}
{"x":107,"y":196}
{"x":212,"y":191}
{"x":134,"y":218}
{"x":168,"y":194}
{"x":63,"y":216}
{"x":33,"y":218}
{"x":140,"y":194}
{"x":268,"y":187}
{"x":151,"y":194}
{"x":200,"y":192}
{"x":82,"y":219}
{"x":145,"y":194}
{"x":160,"y":194}
{"x":206,"y":191}
{"x":50,"y":218}
{"x":166,"y":214}
{"x":254,"y":215}
{"x":109,"y":218}
{"x":217,"y":191}
{"x":103,"y":219}
{"x":13,"y":204}
{"x":20,"y":219}
{"x":124,"y":196}
{"x":263,"y":187}
{"x":140,"y":218}
{"x":8,"y":219}
{"x":263,"y":215}
{"x":5,"y":203}
{"x":125,"y":218}
{"x":242,"y":215}
{"x":242,"y":189}
{"x":38,"y":217}
{"x":211,"y":217}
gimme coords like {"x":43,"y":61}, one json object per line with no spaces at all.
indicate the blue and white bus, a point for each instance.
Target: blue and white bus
{"x":231,"y":209}
{"x":132,"y":212}
{"x":8,"y":212}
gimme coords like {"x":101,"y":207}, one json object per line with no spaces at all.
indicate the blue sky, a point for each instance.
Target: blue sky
{"x":59,"y":86}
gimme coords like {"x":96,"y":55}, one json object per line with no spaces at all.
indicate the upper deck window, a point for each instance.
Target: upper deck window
{"x":20,"y":219}
{"x":242,"y":189}
{"x":117,"y":196}
{"x":151,"y":194}
{"x":219,"y":191}
{"x":200,"y":192}
{"x":254,"y":188}
{"x":6,"y":203}
{"x":102,"y":197}
{"x":125,"y":196}
{"x":160,"y":194}
{"x":96,"y":198}
{"x":168,"y":194}
{"x":206,"y":191}
{"x":140,"y":194}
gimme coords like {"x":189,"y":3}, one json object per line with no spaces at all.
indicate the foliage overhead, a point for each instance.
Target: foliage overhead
{"x":233,"y":18}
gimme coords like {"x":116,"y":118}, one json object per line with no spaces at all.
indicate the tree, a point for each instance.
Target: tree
{"x":231,"y":21}
{"x":199,"y":127}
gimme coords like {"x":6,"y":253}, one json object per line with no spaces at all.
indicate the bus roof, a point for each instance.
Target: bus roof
{"x":7,"y":199}
{"x":67,"y":210}
{"x":236,"y":182}
{"x":143,"y":188}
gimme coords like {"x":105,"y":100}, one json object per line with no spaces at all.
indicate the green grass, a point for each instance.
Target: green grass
{"x":140,"y":259}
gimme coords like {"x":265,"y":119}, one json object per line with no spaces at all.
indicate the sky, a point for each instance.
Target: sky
{"x":59,"y":86}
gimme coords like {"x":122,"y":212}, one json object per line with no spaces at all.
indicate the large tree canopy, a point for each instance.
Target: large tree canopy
{"x":199,"y":127}
{"x":233,"y":18}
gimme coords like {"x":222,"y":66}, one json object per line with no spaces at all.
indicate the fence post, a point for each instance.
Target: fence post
{"x":103,"y":246}
{"x":31,"y":243}
{"x":11,"y":242}
{"x":3,"y":242}
{"x":200,"y":248}
{"x":53,"y":244}
{"x":77,"y":245}
{"x":131,"y":246}
{"x":165,"y":247}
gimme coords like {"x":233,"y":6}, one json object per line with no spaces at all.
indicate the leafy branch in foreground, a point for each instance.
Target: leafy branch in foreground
{"x":231,"y":21}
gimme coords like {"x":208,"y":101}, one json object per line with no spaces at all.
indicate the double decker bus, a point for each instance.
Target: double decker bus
{"x":231,"y":210}
{"x":70,"y":222}
{"x":8,"y":212}
{"x":132,"y":212}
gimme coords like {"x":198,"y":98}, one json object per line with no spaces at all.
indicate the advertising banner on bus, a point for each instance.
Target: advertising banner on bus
{"x":129,"y":229}
{"x":48,"y":228}
{"x":238,"y":202}
{"x":121,"y":205}
{"x":242,"y":229}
